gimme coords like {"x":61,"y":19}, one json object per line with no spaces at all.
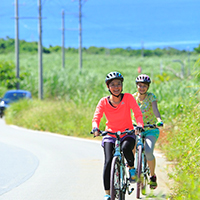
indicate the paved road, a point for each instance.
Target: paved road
{"x":45,"y":166}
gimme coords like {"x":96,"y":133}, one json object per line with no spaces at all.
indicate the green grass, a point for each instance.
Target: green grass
{"x":52,"y":116}
{"x":184,"y":146}
{"x":70,"y":98}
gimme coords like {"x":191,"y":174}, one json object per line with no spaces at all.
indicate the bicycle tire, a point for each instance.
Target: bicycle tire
{"x":139,"y":170}
{"x":115,"y":188}
{"x":144,"y":179}
{"x":122,"y":194}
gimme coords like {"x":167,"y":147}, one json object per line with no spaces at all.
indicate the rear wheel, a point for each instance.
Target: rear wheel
{"x":115,"y":184}
{"x":139,"y":170}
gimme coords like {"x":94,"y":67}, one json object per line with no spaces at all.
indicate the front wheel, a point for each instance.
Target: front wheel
{"x":143,"y":184}
{"x":1,"y":114}
{"x":115,"y":183}
{"x":139,"y":170}
{"x":144,"y":178}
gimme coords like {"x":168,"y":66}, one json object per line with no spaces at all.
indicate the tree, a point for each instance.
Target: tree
{"x":197,"y":49}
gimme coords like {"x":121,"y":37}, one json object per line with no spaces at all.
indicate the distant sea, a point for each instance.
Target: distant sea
{"x":107,"y":23}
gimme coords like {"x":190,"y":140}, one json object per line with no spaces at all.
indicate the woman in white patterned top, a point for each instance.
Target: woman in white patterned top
{"x":148,"y":104}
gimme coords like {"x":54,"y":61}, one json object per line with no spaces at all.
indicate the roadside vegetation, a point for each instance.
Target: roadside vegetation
{"x":71,"y":95}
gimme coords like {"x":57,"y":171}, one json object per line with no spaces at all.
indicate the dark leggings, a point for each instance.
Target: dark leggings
{"x":127,"y":146}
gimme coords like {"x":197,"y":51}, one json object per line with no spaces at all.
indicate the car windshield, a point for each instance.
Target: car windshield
{"x":14,"y":96}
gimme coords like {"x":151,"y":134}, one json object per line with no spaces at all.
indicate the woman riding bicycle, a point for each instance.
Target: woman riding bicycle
{"x":117,"y":109}
{"x":148,"y":104}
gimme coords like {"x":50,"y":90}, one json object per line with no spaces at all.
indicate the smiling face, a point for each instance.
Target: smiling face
{"x":115,"y":87}
{"x":142,"y":88}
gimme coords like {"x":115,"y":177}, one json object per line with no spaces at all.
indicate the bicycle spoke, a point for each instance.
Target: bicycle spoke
{"x":116,"y":191}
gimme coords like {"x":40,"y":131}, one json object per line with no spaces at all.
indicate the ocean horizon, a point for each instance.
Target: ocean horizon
{"x":109,"y":24}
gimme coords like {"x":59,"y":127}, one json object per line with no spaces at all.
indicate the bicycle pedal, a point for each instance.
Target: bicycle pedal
{"x":129,"y":192}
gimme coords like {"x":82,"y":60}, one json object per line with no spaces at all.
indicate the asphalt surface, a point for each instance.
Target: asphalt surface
{"x":46,"y":166}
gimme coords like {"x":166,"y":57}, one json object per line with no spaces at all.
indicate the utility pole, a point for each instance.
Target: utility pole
{"x":161,"y":67}
{"x":182,"y":67}
{"x":17,"y":42}
{"x":63,"y":39}
{"x":40,"y":53}
{"x":80,"y":37}
{"x":188,"y":61}
{"x":142,"y":49}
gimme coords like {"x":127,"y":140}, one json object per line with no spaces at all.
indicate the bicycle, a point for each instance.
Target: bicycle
{"x":142,"y":169}
{"x":119,"y":180}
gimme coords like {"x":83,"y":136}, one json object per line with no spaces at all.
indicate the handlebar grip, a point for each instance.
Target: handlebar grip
{"x":150,"y":126}
{"x":140,"y":129}
{"x":159,"y":123}
{"x":103,"y":133}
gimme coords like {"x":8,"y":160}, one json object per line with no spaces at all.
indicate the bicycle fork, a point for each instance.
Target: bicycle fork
{"x":124,"y":184}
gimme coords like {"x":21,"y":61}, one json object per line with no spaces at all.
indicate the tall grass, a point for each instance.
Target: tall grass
{"x":85,"y":88}
{"x":184,"y":140}
{"x":52,"y":116}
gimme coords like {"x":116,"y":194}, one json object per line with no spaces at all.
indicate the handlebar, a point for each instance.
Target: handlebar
{"x":128,"y":132}
{"x":150,"y":126}
{"x":147,"y":126}
{"x":117,"y":134}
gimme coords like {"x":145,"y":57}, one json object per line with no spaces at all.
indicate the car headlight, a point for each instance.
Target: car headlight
{"x":2,"y":103}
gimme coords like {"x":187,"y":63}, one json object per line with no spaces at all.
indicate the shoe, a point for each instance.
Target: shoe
{"x":107,"y":197}
{"x":153,"y":184}
{"x":132,"y":173}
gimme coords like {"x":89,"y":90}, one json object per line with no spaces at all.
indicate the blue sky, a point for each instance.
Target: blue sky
{"x":108,"y":23}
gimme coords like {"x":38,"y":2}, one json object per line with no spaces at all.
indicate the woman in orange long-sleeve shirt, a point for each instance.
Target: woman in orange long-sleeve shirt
{"x":117,"y":109}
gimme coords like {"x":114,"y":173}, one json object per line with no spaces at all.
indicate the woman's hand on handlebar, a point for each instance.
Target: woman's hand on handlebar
{"x":95,"y":131}
{"x":160,"y":123}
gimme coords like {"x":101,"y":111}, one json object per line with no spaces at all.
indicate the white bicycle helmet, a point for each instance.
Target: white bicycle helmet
{"x":113,"y":75}
{"x":143,"y":78}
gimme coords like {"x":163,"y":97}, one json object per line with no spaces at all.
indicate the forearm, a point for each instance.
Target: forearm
{"x":156,"y":111}
{"x":157,"y":114}
{"x":95,"y":125}
{"x":139,"y":121}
